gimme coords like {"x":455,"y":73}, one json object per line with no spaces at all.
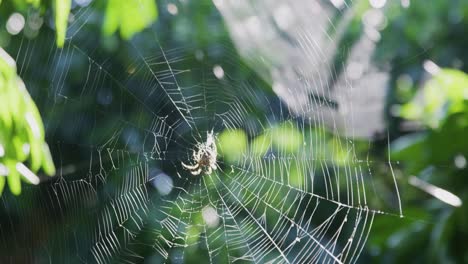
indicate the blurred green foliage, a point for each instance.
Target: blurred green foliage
{"x":21,"y":131}
{"x":232,"y":145}
{"x":130,"y":16}
{"x":61,"y":11}
{"x":436,"y":155}
{"x":427,"y":126}
{"x":284,"y":137}
{"x":443,"y":96}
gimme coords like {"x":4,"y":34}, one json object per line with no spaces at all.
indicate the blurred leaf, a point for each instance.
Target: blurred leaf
{"x":286,"y":137}
{"x":35,"y":156}
{"x":130,"y":16}
{"x":62,"y":10}
{"x":47,"y":162}
{"x":260,"y":145}
{"x":2,"y":181}
{"x":232,"y":145}
{"x":411,"y":111}
{"x":21,"y":129}
{"x":410,"y":147}
{"x":193,"y":234}
{"x":442,"y":231}
{"x":296,"y":177}
{"x":443,"y":95}
{"x":441,"y":106}
{"x":14,"y":179}
{"x":404,"y":87}
{"x":339,"y":151}
{"x":17,"y":144}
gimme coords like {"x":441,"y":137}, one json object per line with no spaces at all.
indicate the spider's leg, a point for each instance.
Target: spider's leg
{"x":208,"y":171}
{"x":214,"y":166}
{"x":190,"y":167}
{"x":196,"y":172}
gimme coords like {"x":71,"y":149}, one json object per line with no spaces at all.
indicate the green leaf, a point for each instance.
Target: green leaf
{"x":130,"y":16}
{"x":2,"y":182}
{"x":13,"y":179}
{"x":286,"y":137}
{"x":443,"y":95}
{"x":260,"y":145}
{"x":5,"y":116}
{"x":296,"y":176}
{"x":17,"y":143}
{"x":62,"y":10}
{"x":34,"y":3}
{"x":35,"y":156}
{"x":31,"y":114}
{"x":411,"y":147}
{"x":232,"y":145}
{"x":339,"y":151}
{"x":21,"y":129}
{"x":47,"y":162}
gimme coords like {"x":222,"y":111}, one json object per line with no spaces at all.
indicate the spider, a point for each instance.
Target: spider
{"x":205,"y":157}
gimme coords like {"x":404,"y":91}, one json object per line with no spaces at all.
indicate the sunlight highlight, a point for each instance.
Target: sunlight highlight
{"x":439,"y":193}
{"x":27,"y":173}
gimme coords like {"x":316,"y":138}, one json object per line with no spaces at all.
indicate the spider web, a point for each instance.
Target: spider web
{"x":130,"y":200}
